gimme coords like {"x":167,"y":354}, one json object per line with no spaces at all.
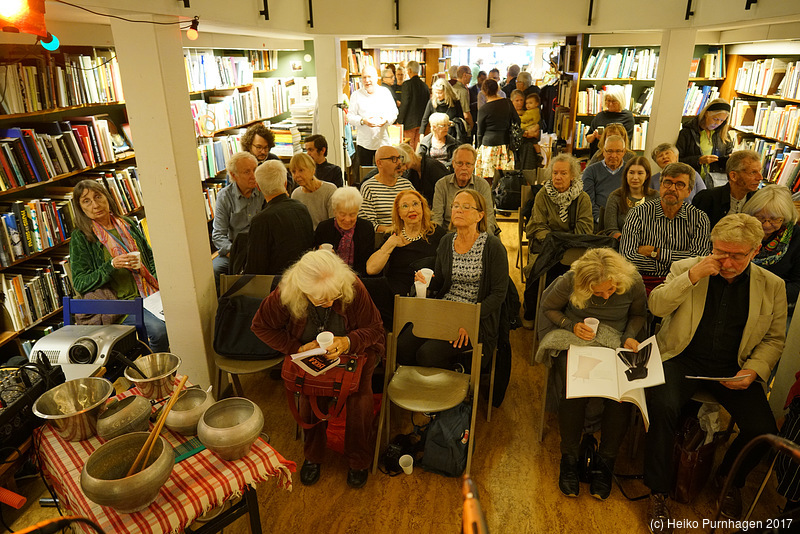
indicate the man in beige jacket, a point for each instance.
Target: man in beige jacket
{"x":723,"y":317}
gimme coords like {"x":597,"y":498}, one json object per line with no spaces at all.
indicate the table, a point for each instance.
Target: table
{"x":196,"y":485}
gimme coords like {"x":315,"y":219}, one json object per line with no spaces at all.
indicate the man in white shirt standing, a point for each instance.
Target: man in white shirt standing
{"x":372,"y":110}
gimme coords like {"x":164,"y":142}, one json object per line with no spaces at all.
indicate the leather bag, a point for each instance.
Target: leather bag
{"x":233,"y":337}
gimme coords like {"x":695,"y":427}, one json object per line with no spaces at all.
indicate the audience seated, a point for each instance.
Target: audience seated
{"x":439,"y":144}
{"x":283,"y":231}
{"x":667,"y":153}
{"x":603,"y":285}
{"x":635,"y":190}
{"x":614,"y":128}
{"x":704,"y":142}
{"x":656,"y":234}
{"x":613,"y":112}
{"x":780,"y":249}
{"x":380,"y":191}
{"x":471,"y":266}
{"x":311,"y":191}
{"x":422,"y":171}
{"x":602,"y":178}
{"x":744,"y":176}
{"x":317,"y":147}
{"x":723,"y":317}
{"x":352,"y":237}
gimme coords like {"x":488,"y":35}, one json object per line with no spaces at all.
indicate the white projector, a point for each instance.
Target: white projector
{"x":81,"y":344}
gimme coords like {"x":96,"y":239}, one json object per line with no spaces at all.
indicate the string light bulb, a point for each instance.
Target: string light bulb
{"x":192,"y":33}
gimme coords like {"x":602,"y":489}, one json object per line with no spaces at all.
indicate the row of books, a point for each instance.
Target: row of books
{"x":210,"y":192}
{"x":640,"y":64}
{"x":395,"y":56}
{"x":697,"y":96}
{"x":766,"y":76}
{"x":34,"y":291}
{"x":785,"y":168}
{"x":590,"y":101}
{"x":565,"y":88}
{"x":710,"y":65}
{"x":213,"y":153}
{"x":31,"y":226}
{"x":357,"y":59}
{"x":206,"y":71}
{"x":60,"y":80}
{"x":263,"y":59}
{"x":47,"y":150}
{"x":768,"y":119}
{"x":265,"y":99}
{"x":562,"y":123}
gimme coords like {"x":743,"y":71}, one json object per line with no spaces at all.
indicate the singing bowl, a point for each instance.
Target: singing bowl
{"x":187,"y":410}
{"x":131,"y":414}
{"x":160,"y":368}
{"x":229,"y":427}
{"x":103,"y":477}
{"x":72,"y":408}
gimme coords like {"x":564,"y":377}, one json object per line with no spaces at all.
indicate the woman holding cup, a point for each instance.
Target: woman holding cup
{"x":111,"y":258}
{"x":471,"y":266}
{"x":599,"y":301}
{"x":318,"y":295}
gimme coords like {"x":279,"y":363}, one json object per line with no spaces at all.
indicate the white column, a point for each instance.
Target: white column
{"x":157,"y":97}
{"x":677,"y":49}
{"x":329,"y":88}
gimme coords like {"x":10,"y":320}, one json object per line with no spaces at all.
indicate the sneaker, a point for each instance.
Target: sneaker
{"x":568,"y":481}
{"x":658,"y":518}
{"x":602,"y":479}
{"x":731,"y":505}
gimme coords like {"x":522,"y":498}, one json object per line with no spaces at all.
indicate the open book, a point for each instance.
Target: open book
{"x":313,"y":361}
{"x":619,"y":374}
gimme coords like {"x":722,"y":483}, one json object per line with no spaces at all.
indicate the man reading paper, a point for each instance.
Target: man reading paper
{"x":723,"y":316}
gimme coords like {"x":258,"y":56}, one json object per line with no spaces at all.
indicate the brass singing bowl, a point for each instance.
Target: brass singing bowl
{"x":230,"y":427}
{"x":160,"y":368}
{"x":72,"y":408}
{"x":187,"y":411}
{"x":131,"y":414}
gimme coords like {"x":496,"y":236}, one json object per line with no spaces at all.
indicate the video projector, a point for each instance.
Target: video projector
{"x":81,"y":344}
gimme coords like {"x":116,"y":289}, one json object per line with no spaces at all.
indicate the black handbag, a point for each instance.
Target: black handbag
{"x":233,"y":337}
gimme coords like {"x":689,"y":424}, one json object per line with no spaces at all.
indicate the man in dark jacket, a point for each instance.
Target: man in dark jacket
{"x":283,"y":231}
{"x":415,"y":96}
{"x":744,"y":175}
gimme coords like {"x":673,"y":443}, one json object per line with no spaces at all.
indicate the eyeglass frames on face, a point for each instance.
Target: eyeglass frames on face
{"x":735,"y":256}
{"x":666,"y":184}
{"x":456,"y":207}
{"x":406,"y":205}
{"x":393,"y":159}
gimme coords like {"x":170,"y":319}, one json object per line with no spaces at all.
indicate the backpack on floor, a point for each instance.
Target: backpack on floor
{"x":508,"y":191}
{"x":447,"y":440}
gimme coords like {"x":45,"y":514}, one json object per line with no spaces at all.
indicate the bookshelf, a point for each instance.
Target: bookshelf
{"x":567,"y":102}
{"x":355,"y":58}
{"x":425,"y":56}
{"x":62,"y":120}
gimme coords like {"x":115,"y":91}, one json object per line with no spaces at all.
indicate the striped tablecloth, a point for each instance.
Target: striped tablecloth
{"x":196,"y":484}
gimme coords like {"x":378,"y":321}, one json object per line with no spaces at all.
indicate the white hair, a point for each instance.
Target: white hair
{"x":271,"y":177}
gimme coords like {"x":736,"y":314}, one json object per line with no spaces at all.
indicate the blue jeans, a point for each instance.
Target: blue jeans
{"x":156,"y":331}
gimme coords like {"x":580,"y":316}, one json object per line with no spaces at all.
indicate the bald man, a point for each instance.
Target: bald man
{"x":380,"y":190}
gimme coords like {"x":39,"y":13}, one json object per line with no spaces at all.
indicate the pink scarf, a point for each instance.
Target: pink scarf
{"x":145,"y":282}
{"x":345,"y":250}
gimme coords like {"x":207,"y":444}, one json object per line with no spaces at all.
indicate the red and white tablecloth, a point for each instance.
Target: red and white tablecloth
{"x":196,"y":485}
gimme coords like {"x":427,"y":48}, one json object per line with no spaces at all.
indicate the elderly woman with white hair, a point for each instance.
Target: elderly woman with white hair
{"x":525,"y":83}
{"x":780,"y":249}
{"x":613,"y":111}
{"x":352,"y":237}
{"x":321,"y":293}
{"x":439,"y":144}
{"x":312,"y":192}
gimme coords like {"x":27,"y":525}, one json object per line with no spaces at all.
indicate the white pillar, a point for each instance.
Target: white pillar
{"x":329,"y":88}
{"x":677,"y":49}
{"x":157,"y":98}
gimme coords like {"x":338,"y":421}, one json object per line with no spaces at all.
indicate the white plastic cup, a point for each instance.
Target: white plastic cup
{"x":592,"y":323}
{"x":325,"y":339}
{"x":407,"y":463}
{"x":326,"y":246}
{"x":136,"y":260}
{"x":427,"y":273}
{"x":422,"y":289}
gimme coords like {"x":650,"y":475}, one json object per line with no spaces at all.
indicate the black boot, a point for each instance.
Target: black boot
{"x":568,"y":481}
{"x":602,"y":478}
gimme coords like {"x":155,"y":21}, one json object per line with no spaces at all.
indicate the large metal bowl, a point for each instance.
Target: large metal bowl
{"x":187,"y":410}
{"x":160,"y":368}
{"x":103,"y":477}
{"x":72,"y":407}
{"x":229,"y":427}
{"x":131,"y":414}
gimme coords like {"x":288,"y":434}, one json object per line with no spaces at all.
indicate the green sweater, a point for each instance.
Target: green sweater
{"x":90,"y":262}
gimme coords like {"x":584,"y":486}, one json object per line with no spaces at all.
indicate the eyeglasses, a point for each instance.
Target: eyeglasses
{"x":322,"y":301}
{"x":463,"y":164}
{"x":259,"y":147}
{"x":393,"y":159}
{"x":608,"y":151}
{"x":406,"y":205}
{"x":464,"y":207}
{"x":774,"y":221}
{"x":735,"y":256}
{"x":666,"y":184}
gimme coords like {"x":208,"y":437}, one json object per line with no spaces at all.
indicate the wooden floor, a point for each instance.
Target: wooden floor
{"x":516,"y":475}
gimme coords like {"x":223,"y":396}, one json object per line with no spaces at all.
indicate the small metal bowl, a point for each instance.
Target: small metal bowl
{"x":229,"y":427}
{"x":103,"y":477}
{"x":160,"y":367}
{"x":72,"y":407}
{"x":187,"y":411}
{"x":131,"y":414}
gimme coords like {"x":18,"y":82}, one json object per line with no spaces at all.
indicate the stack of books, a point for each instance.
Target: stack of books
{"x":34,"y":290}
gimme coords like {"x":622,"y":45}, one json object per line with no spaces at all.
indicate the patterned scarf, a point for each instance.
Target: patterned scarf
{"x":145,"y":282}
{"x":563,"y":200}
{"x":772,"y":252}
{"x":345,"y":250}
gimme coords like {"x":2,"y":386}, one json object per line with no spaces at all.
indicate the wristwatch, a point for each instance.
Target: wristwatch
{"x":654,"y":254}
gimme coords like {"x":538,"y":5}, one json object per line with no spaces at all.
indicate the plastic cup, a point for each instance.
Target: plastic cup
{"x":422,"y":289}
{"x":592,"y":323}
{"x":326,"y":246}
{"x":427,"y":273}
{"x":136,"y":259}
{"x":407,"y":463}
{"x":325,"y":339}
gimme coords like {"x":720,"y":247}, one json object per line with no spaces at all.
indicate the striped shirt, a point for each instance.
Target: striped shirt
{"x":379,"y":200}
{"x":685,"y":236}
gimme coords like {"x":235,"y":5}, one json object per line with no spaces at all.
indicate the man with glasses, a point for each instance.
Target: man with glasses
{"x":463,"y":177}
{"x":380,"y":191}
{"x":723,"y":317}
{"x":259,"y":140}
{"x":602,"y":178}
{"x":744,"y":176}
{"x":656,"y":234}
